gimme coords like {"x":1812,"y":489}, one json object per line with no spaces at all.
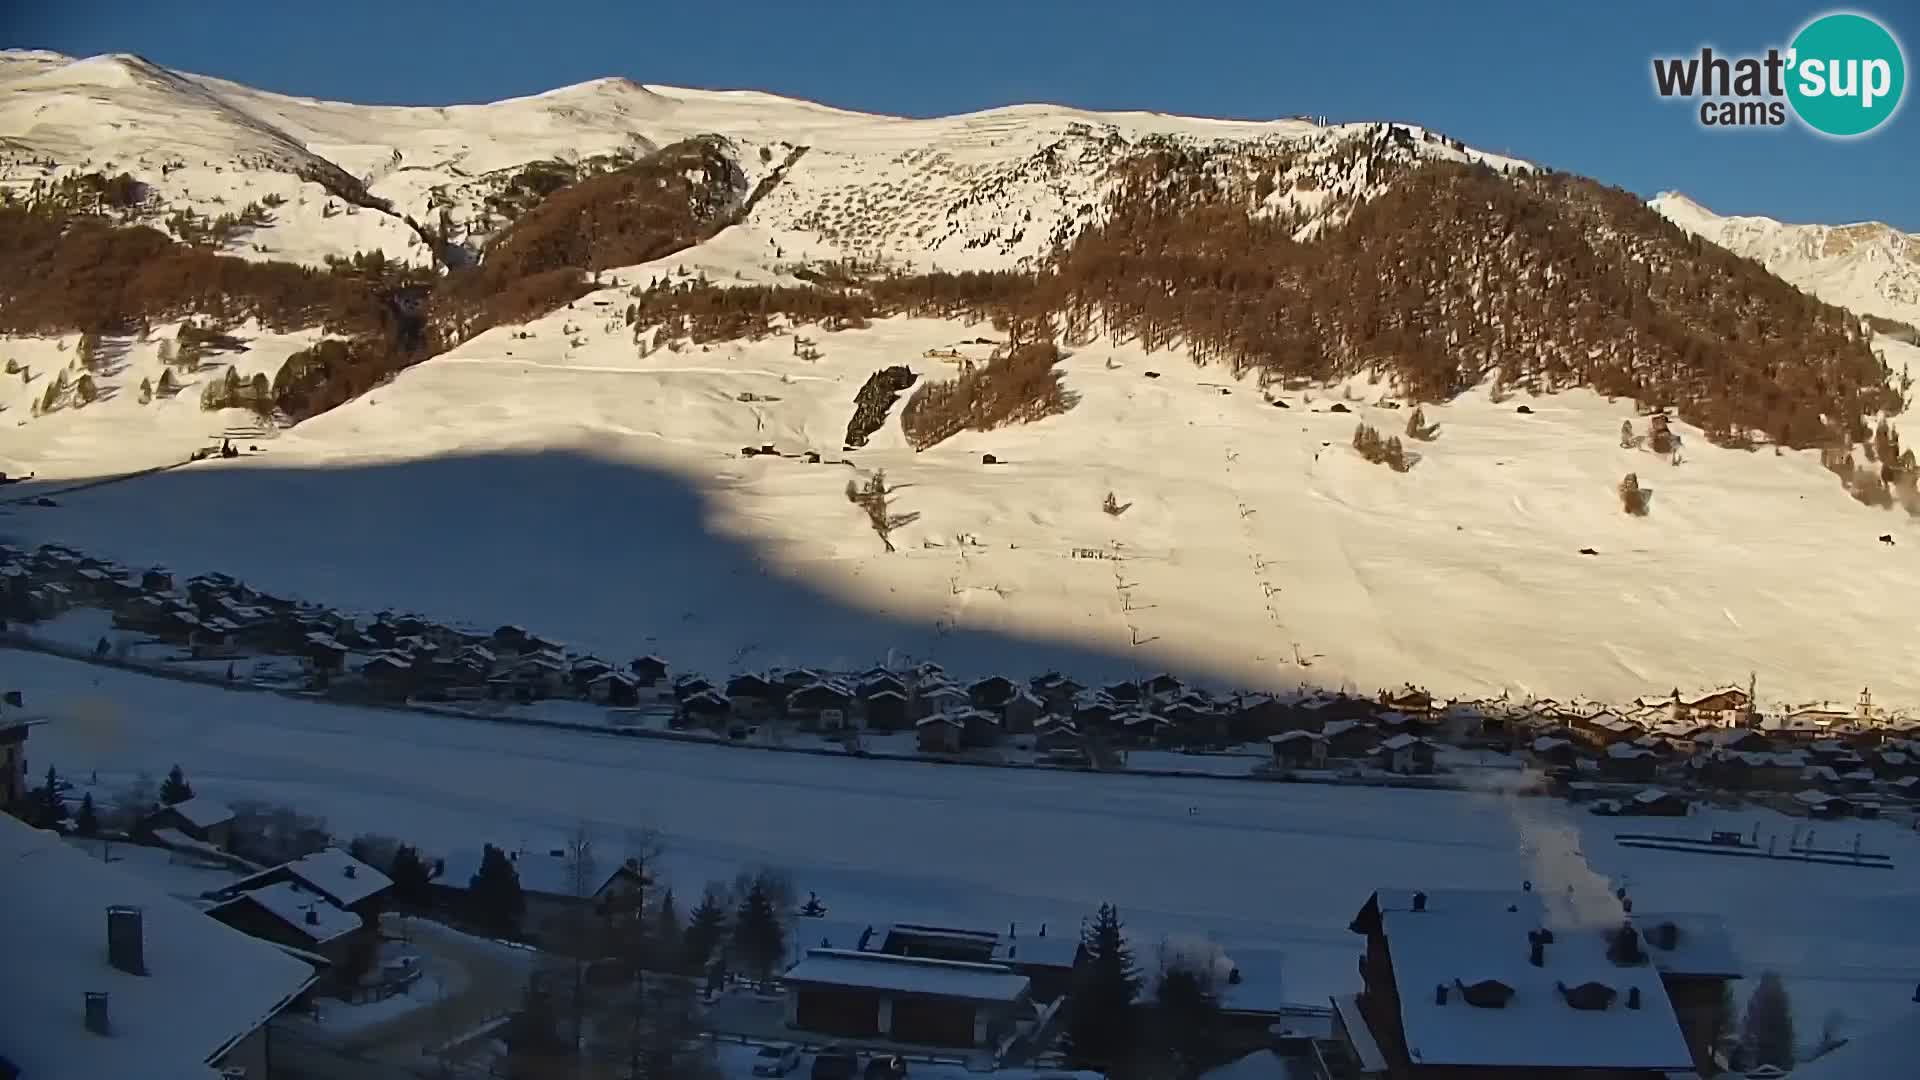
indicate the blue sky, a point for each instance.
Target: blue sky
{"x":1571,"y":89}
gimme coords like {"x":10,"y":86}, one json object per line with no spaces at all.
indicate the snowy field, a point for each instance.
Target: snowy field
{"x":1268,"y":869}
{"x":567,"y":484}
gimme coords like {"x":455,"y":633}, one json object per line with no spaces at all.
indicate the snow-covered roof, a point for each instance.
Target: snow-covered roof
{"x":332,"y":873}
{"x":207,"y":985}
{"x":1538,"y":1028}
{"x":908,"y":975}
{"x":1701,"y":944}
{"x":306,"y":911}
{"x":202,"y":812}
{"x":1059,"y":951}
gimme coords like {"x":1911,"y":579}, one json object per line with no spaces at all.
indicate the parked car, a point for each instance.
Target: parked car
{"x":778,"y":1059}
{"x":836,"y":1063}
{"x":887,"y":1067}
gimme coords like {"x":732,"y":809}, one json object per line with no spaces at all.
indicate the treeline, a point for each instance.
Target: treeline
{"x":65,"y":267}
{"x":1454,"y":274}
{"x":1018,"y":386}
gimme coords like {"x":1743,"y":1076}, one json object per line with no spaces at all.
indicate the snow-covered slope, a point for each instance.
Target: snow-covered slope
{"x":977,"y":191}
{"x":1870,"y":268}
{"x":549,"y":475}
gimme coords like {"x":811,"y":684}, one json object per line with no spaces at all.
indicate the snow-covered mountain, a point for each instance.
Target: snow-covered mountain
{"x":565,"y":475}
{"x":1869,"y":267}
{"x":978,"y":191}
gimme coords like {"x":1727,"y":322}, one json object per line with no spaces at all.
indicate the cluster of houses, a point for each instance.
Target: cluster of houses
{"x":1831,"y":759}
{"x":1822,"y":760}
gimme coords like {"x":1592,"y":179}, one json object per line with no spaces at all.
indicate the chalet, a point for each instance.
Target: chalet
{"x":1259,"y":716}
{"x":791,"y":679}
{"x":390,"y":675}
{"x":530,"y":677}
{"x":1728,"y":706}
{"x":1745,"y":740}
{"x":1196,"y":718}
{"x":616,"y":688}
{"x":1603,"y":729}
{"x":1122,"y":693}
{"x":1625,"y":761}
{"x":948,"y":1003}
{"x":1162,"y":687}
{"x":1889,"y":763}
{"x":127,"y":980}
{"x":1550,"y":751}
{"x":1023,"y":711}
{"x":1142,"y":727}
{"x":1405,"y":753}
{"x":939,"y":698}
{"x":1654,"y":802}
{"x":991,"y":693}
{"x":755,"y":699}
{"x":321,"y":652}
{"x":1057,"y":691}
{"x":1906,"y":787}
{"x":584,"y":669}
{"x":887,"y":710}
{"x":156,"y":579}
{"x":199,"y":819}
{"x":816,"y":705}
{"x":648,"y":671}
{"x":49,"y":600}
{"x":981,"y":729}
{"x":1298,"y":750}
{"x":1094,"y":711}
{"x":1348,"y":738}
{"x":13,"y":756}
{"x":1476,"y":984}
{"x":940,"y":734}
{"x":881,"y":681}
{"x":1056,"y":735}
{"x":1047,"y":962}
{"x":1410,"y":700}
{"x":297,"y":918}
{"x":708,"y":708}
{"x":510,"y":639}
{"x":481,"y":657}
{"x":548,"y":881}
{"x":339,"y":878}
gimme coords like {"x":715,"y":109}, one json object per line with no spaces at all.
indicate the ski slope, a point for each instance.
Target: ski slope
{"x":1273,"y":872}
{"x":565,"y":482}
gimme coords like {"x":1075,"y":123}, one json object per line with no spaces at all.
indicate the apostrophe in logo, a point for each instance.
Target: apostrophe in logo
{"x":1848,"y":74}
{"x":1843,"y":75}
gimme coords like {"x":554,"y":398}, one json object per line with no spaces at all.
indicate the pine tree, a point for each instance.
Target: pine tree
{"x":1100,"y":1022}
{"x":88,"y":351}
{"x":409,"y":874}
{"x":146,"y":391}
{"x":87,"y":822}
{"x":535,"y":1050}
{"x":758,"y":938}
{"x":706,"y":928}
{"x":1626,"y":435}
{"x":1417,"y":424}
{"x":1766,"y":1035}
{"x":51,"y":809}
{"x":667,"y":931}
{"x":1189,"y":1013}
{"x":175,"y":788}
{"x":495,"y":892}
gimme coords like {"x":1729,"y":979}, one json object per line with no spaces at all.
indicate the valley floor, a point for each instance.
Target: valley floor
{"x":1273,"y":872}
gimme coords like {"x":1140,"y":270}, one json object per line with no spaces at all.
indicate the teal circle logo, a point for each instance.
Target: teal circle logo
{"x":1847,"y":74}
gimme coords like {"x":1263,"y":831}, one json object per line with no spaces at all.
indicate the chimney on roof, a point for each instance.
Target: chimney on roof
{"x":1440,"y":994}
{"x":97,"y":1021}
{"x":1419,"y":901}
{"x":1043,"y":929}
{"x":349,"y":869}
{"x":1633,"y":997}
{"x":1526,"y":886}
{"x":126,"y":939}
{"x":1537,"y":948}
{"x":1013,"y":930}
{"x":313,"y":915}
